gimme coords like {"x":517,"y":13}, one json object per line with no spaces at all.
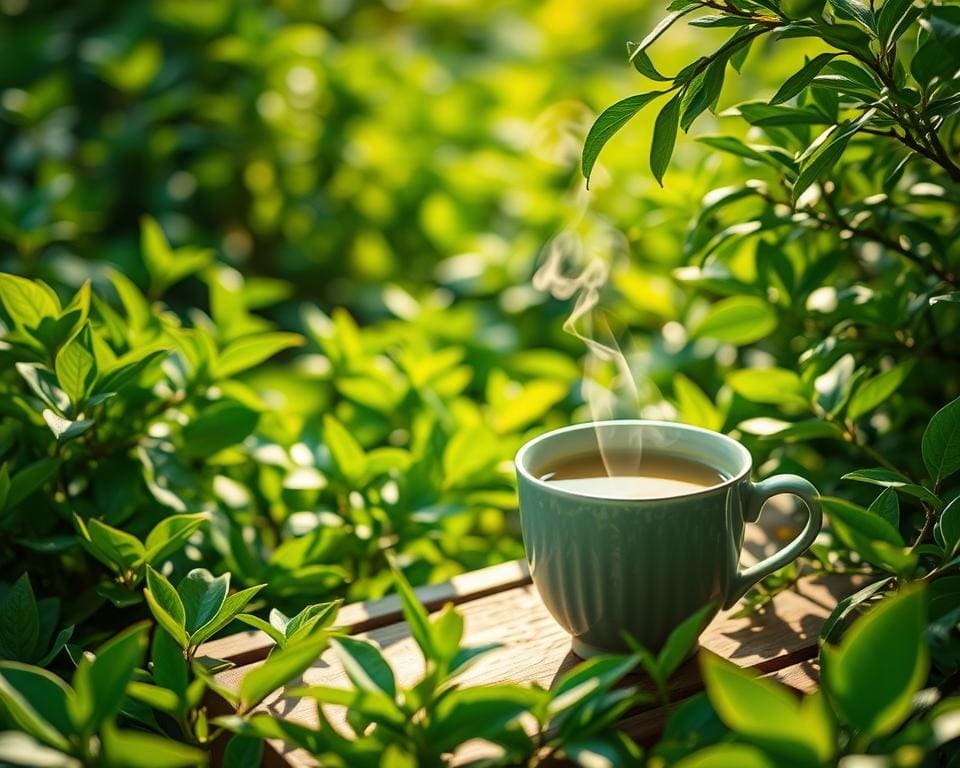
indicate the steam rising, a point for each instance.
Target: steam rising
{"x":577,"y":263}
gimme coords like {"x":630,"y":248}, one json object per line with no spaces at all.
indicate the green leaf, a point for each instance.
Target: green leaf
{"x":611,"y":120}
{"x":4,"y":486}
{"x":694,"y":406}
{"x":769,"y":385}
{"x":664,"y":138}
{"x":123,"y":550}
{"x":726,"y":756}
{"x":365,"y":665}
{"x":889,"y":479}
{"x":30,"y":479}
{"x":243,"y":752}
{"x":683,"y":640}
{"x":887,"y":506}
{"x":19,"y":622}
{"x":36,"y":701}
{"x":246,"y":352}
{"x":27,"y":302}
{"x":469,"y":454}
{"x":482,"y":711}
{"x":848,"y":605}
{"x":170,"y":535}
{"x":446,"y":631}
{"x":202,"y":596}
{"x":894,"y":19}
{"x":800,"y":80}
{"x":138,"y":749}
{"x":166,"y":266}
{"x":21,"y":749}
{"x":413,"y":611}
{"x":820,"y":157}
{"x":310,"y":619}
{"x":852,"y":9}
{"x":166,"y":606}
{"x":264,"y":626}
{"x":737,"y":320}
{"x":878,"y":390}
{"x":642,"y":63}
{"x":231,"y":607}
{"x":948,"y":527}
{"x":759,"y":710}
{"x":348,"y":455}
{"x":281,"y":667}
{"x":76,"y":367}
{"x":101,"y":679}
{"x":941,"y":442}
{"x":65,"y":429}
{"x":154,"y":696}
{"x":811,"y":429}
{"x":127,"y":370}
{"x":872,"y":676}
{"x":169,"y":664}
{"x":223,"y":424}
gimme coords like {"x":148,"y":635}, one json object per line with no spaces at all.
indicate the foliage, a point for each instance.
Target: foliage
{"x":176,"y":409}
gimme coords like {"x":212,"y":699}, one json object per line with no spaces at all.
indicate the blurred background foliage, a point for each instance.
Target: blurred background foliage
{"x":381,"y":177}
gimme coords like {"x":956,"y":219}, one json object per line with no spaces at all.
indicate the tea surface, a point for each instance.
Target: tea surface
{"x":650,"y":476}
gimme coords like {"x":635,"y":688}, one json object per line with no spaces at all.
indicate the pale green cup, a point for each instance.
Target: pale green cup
{"x":607,"y":568}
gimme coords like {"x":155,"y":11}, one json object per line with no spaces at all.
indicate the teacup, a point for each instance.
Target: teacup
{"x":608,"y":568}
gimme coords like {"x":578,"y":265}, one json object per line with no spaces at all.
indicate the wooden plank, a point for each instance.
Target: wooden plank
{"x":248,"y":647}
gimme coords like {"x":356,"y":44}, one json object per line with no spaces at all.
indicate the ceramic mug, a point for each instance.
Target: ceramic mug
{"x":605,"y":567}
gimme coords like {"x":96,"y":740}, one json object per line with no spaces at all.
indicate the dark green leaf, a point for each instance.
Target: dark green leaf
{"x":413,"y":611}
{"x":887,"y":506}
{"x":642,"y":63}
{"x":664,"y":138}
{"x":218,"y":426}
{"x":101,"y":679}
{"x":611,"y":120}
{"x":202,"y":596}
{"x":65,"y":429}
{"x":941,"y":442}
{"x":281,"y":667}
{"x":853,"y":9}
{"x":19,"y":622}
{"x":243,"y":752}
{"x":800,"y":80}
{"x":683,"y":640}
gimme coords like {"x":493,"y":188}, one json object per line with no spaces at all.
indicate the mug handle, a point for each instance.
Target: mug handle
{"x":756,"y":496}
